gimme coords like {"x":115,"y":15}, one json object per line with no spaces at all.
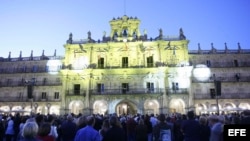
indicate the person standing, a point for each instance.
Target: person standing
{"x":68,"y":129}
{"x":88,"y":133}
{"x":115,"y":133}
{"x":10,"y":132}
{"x":191,"y":128}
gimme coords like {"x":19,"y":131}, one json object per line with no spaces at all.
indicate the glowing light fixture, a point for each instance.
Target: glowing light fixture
{"x":54,"y":66}
{"x":201,"y":72}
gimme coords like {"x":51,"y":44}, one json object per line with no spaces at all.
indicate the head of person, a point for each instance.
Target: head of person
{"x":213,"y":119}
{"x":190,"y":115}
{"x":162,"y":118}
{"x":203,"y":120}
{"x":30,"y":130}
{"x":113,"y":121}
{"x":90,"y":120}
{"x":44,"y":129}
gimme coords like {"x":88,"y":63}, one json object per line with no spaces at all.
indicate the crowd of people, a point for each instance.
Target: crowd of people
{"x":95,"y":127}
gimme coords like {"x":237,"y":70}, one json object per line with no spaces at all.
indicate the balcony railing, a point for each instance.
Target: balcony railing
{"x":224,"y":96}
{"x":26,"y":99}
{"x":37,"y":83}
{"x":125,"y":91}
{"x":222,"y":79}
{"x":177,"y":91}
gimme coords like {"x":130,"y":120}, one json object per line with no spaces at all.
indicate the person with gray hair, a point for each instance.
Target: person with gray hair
{"x":29,"y":132}
{"x":88,"y":133}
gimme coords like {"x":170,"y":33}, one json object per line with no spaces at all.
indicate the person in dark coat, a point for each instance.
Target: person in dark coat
{"x":204,"y":129}
{"x":115,"y":133}
{"x":191,"y":128}
{"x":68,"y":129}
{"x":141,"y":133}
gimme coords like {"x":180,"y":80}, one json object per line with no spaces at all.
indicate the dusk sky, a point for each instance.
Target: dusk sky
{"x":39,"y":25}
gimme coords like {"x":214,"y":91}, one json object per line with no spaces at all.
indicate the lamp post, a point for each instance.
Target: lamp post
{"x":48,"y":108}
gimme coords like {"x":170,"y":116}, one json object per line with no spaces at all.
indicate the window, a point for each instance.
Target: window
{"x":208,"y":63}
{"x":100,"y":87}
{"x":34,"y":69}
{"x":44,"y":95}
{"x":125,"y":88}
{"x":150,"y":61}
{"x":77,"y":89}
{"x":44,"y":81}
{"x":212,"y":93}
{"x":236,"y":63}
{"x":124,"y":62}
{"x":101,"y":63}
{"x":56,"y":95}
{"x":150,"y":87}
{"x":175,"y":86}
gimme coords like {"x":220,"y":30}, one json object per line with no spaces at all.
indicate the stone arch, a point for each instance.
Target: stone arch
{"x":201,"y":108}
{"x":177,"y":105}
{"x":54,"y":109}
{"x":151,"y":106}
{"x":100,"y":107}
{"x":126,"y":107}
{"x":76,"y":106}
{"x":244,"y":105}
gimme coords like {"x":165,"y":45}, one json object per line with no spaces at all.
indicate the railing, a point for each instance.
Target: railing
{"x":177,"y":91}
{"x":241,"y":51}
{"x":36,"y":58}
{"x":126,"y":91}
{"x":37,"y":83}
{"x":75,"y":92}
{"x":224,"y":96}
{"x":26,"y":99}
{"x":222,"y":79}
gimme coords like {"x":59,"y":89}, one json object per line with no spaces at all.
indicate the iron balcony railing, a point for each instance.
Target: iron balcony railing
{"x":26,"y":99}
{"x":242,"y":95}
{"x":10,"y":83}
{"x":222,"y":79}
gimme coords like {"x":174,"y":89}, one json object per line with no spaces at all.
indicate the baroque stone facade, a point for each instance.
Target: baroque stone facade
{"x":127,"y":73}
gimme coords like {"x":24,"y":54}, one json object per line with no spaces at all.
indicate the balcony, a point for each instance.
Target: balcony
{"x":224,"y":96}
{"x":125,"y":91}
{"x":11,"y":83}
{"x":26,"y":99}
{"x":222,"y":79}
{"x":176,"y":91}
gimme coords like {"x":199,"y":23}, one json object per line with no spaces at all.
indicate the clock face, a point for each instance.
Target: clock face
{"x":201,"y":72}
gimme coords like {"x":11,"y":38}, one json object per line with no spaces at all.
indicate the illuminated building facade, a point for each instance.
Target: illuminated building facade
{"x":127,"y":73}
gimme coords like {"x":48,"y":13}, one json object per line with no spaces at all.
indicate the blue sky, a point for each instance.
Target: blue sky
{"x":39,"y":25}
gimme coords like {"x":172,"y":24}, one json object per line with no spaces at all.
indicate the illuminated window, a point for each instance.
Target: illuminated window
{"x":100,"y":87}
{"x":77,"y":89}
{"x":124,"y":62}
{"x":56,"y":95}
{"x":101,"y":63}
{"x":125,"y":88}
{"x":44,"y":95}
{"x":150,"y":87}
{"x":150,"y":62}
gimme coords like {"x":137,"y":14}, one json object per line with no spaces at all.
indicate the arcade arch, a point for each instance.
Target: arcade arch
{"x":126,"y":107}
{"x":177,"y":106}
{"x":100,"y":107}
{"x":76,"y":106}
{"x":151,"y":107}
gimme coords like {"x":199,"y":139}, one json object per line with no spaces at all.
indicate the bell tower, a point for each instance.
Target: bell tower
{"x":125,"y":28}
